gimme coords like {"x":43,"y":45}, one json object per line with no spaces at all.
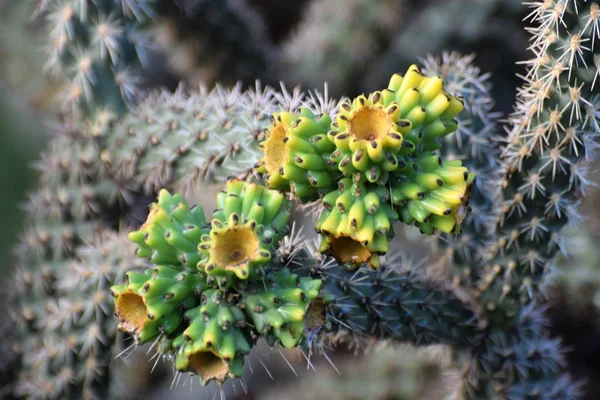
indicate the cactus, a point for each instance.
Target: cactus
{"x":97,"y":49}
{"x":543,"y":172}
{"x":172,"y":232}
{"x":67,"y":332}
{"x":181,"y":140}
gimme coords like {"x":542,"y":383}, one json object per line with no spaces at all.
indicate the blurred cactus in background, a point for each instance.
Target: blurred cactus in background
{"x":178,"y":195}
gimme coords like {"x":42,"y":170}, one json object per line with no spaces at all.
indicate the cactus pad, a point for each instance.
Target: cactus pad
{"x":296,"y":154}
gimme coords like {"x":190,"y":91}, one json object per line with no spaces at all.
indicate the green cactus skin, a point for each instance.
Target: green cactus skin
{"x":473,"y":144}
{"x":178,"y":141}
{"x":296,"y":155}
{"x":278,"y":307}
{"x":172,"y":232}
{"x":356,"y":223}
{"x":247,"y":225}
{"x":432,"y":194}
{"x":152,"y":303}
{"x":543,"y":172}
{"x":214,"y":343}
{"x":368,"y":135}
{"x":66,"y":332}
{"x":96,"y":48}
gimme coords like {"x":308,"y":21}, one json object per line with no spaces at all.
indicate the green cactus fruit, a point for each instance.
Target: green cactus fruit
{"x":368,"y":135}
{"x":296,"y":155}
{"x":152,"y":303}
{"x":431,"y":193}
{"x":215,"y":342}
{"x":426,"y":105}
{"x":356,"y":223}
{"x":248,"y":223}
{"x":172,"y":232}
{"x":278,"y":307}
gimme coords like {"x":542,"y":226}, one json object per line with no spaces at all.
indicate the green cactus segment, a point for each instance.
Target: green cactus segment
{"x":96,"y":48}
{"x":296,"y":155}
{"x":426,"y":105}
{"x":152,"y":303}
{"x":215,"y":342}
{"x":432,"y":194}
{"x":369,"y":137}
{"x":182,"y":140}
{"x":544,"y":168}
{"x":356,"y":223}
{"x":399,"y":305}
{"x":278,"y":307}
{"x":172,"y":232}
{"x":247,"y":225}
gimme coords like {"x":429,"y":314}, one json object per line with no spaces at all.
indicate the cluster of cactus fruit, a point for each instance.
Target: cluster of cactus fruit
{"x":213,"y":287}
{"x":219,"y":285}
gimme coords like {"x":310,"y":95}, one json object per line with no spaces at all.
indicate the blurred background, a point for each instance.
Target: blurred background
{"x":354,"y":46}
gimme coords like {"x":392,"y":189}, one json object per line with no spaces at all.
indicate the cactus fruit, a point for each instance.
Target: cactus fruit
{"x":356,"y":223}
{"x":296,"y":155}
{"x":473,"y":144}
{"x":247,"y":225}
{"x":172,"y":232}
{"x":431,"y":193}
{"x":368,"y":135}
{"x":177,"y":141}
{"x":68,"y":338}
{"x":96,"y":48}
{"x":278,"y":307}
{"x":214,"y":343}
{"x":153,"y":303}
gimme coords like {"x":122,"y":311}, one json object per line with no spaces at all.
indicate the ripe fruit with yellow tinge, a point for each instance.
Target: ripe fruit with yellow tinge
{"x":296,"y":155}
{"x":431,"y":193}
{"x":357,"y":222}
